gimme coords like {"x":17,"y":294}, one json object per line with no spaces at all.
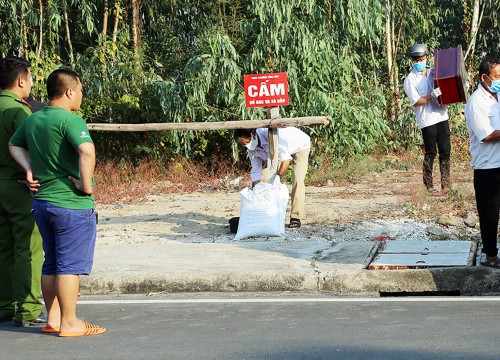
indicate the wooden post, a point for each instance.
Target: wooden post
{"x":272,"y":161}
{"x":207,"y":126}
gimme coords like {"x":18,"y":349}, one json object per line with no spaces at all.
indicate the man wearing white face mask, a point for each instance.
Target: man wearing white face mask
{"x":482,"y":114}
{"x":294,"y":145}
{"x":432,"y":119}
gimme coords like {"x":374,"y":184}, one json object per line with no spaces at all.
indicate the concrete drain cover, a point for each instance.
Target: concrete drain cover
{"x":398,"y":255}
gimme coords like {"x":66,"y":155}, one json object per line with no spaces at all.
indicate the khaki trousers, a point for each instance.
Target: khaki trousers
{"x":301,"y":162}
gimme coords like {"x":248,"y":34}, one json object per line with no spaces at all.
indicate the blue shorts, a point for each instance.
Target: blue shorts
{"x":68,"y":238}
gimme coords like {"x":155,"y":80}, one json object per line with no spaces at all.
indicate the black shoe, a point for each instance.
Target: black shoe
{"x":294,"y":223}
{"x":6,"y":318}
{"x":41,"y":320}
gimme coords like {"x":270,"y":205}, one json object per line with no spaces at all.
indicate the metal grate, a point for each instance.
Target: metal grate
{"x":399,"y":255}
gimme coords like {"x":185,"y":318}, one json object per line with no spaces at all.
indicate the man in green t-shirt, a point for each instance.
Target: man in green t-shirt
{"x":21,"y":253}
{"x":54,"y":148}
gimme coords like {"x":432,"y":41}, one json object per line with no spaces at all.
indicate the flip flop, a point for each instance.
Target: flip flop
{"x":495,"y":263}
{"x":89,"y":330}
{"x":294,"y":223}
{"x":49,"y":329}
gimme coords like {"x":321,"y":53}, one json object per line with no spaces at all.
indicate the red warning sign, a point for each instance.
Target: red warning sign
{"x":266,"y":89}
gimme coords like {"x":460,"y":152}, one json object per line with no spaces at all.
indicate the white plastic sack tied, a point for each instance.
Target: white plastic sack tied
{"x":263,"y":210}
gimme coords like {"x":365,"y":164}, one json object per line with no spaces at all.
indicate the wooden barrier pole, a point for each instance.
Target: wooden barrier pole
{"x":205,"y":126}
{"x":273,"y":141}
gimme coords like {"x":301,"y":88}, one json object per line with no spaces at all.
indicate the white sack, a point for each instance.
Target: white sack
{"x":263,"y":210}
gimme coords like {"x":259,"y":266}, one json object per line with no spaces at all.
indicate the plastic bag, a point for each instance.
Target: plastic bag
{"x":263,"y":210}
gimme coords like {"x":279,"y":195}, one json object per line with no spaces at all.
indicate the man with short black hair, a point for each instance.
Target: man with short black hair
{"x":21,"y":253}
{"x":432,"y":119}
{"x":482,"y":114}
{"x":55,"y":147}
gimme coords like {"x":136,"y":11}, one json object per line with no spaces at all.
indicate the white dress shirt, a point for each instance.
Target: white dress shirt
{"x":290,"y":141}
{"x":482,"y":113}
{"x":418,"y":85}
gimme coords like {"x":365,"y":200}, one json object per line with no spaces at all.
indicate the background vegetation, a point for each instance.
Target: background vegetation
{"x":183,"y":61}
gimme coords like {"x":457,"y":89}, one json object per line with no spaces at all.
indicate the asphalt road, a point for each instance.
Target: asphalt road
{"x":264,"y":326}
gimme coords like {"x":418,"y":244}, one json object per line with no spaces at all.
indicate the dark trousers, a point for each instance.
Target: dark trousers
{"x":437,"y":140}
{"x":487,"y":187}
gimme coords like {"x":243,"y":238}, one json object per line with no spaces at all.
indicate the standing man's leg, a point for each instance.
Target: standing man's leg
{"x":429,"y":135}
{"x":301,"y":162}
{"x":69,"y":243}
{"x":487,"y":187}
{"x":444,"y":148}
{"x":43,"y":220}
{"x":7,"y":297}
{"x":51,"y":302}
{"x":28,"y":269}
{"x":67,"y":287}
{"x":27,"y":256}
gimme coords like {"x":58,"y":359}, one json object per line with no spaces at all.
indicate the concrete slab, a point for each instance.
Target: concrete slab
{"x":418,"y":261}
{"x":413,"y":247}
{"x":349,"y":255}
{"x":398,"y":255}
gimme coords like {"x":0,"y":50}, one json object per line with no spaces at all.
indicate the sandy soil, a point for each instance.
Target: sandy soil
{"x":392,"y":203}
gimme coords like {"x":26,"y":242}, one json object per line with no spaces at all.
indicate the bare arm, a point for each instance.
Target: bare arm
{"x":423,"y":100}
{"x":23,"y":158}
{"x":283,"y":167}
{"x":86,"y":152}
{"x":255,"y":182}
{"x":494,"y":136}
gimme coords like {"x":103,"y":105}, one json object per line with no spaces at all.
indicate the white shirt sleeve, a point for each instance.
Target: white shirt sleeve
{"x":411,"y":90}
{"x":256,"y":172}
{"x":479,"y":120}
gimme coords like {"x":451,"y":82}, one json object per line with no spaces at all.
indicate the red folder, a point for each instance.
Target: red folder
{"x":450,"y":75}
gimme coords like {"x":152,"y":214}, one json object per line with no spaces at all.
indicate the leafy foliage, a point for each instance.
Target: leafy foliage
{"x":190,"y":62}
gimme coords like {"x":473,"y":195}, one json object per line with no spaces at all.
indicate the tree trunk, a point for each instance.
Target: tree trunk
{"x":117,"y":19}
{"x":388,"y":44}
{"x":136,"y":29}
{"x":374,"y":61}
{"x":40,"y":30}
{"x":105,"y":19}
{"x":22,"y":30}
{"x":68,"y":36}
{"x":476,"y":20}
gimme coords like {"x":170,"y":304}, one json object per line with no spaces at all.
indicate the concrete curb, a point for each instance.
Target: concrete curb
{"x":213,"y":283}
{"x":464,"y":280}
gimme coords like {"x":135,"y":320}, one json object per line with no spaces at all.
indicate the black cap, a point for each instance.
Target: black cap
{"x":418,"y":50}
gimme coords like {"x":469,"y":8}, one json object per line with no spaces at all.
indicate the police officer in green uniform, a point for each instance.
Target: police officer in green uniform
{"x":21,"y":253}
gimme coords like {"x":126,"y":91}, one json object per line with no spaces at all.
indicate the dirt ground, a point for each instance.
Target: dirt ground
{"x":392,"y":203}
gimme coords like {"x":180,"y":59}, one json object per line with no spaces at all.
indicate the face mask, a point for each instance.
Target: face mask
{"x":420,"y":66}
{"x":495,"y":85}
{"x":252,"y":144}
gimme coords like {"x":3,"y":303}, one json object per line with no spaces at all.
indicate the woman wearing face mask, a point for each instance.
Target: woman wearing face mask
{"x":482,"y":114}
{"x":432,"y":119}
{"x":293,"y":145}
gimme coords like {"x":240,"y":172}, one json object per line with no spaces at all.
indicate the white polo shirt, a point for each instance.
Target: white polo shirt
{"x":290,"y":141}
{"x":482,"y":113}
{"x":418,"y":85}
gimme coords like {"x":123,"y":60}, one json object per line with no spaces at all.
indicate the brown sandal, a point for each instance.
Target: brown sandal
{"x":493,"y":263}
{"x":294,"y":223}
